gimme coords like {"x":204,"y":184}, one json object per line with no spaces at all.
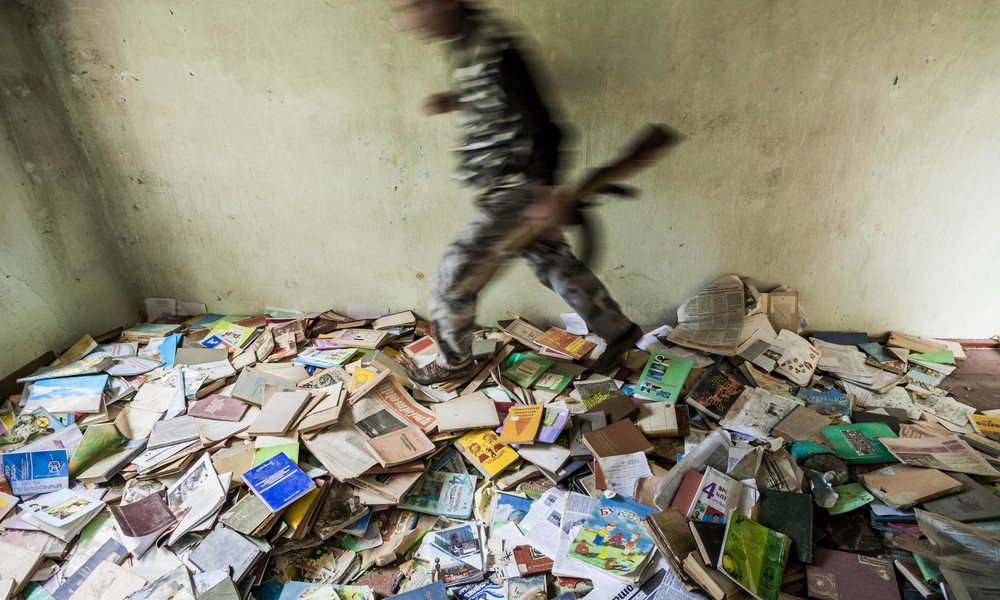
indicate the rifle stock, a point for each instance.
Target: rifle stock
{"x":640,"y":155}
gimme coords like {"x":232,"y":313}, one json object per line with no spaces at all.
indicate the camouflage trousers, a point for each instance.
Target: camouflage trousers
{"x":453,"y":310}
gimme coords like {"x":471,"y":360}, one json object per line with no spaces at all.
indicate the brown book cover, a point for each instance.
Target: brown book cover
{"x":902,"y":486}
{"x":839,"y":575}
{"x":219,"y":407}
{"x":399,"y":447}
{"x":565,"y":342}
{"x":530,"y":561}
{"x":622,"y":437}
{"x":144,"y":517}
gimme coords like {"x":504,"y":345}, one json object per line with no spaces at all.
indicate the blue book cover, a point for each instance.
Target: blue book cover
{"x":509,"y":508}
{"x":434,"y":591}
{"x":41,"y":472}
{"x":278,"y":482}
{"x":831,"y":404}
{"x":843,"y":338}
{"x":359,"y":526}
{"x":68,"y":394}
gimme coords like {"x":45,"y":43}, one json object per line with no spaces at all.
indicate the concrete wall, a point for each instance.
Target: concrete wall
{"x":260,"y":152}
{"x":59,"y":267}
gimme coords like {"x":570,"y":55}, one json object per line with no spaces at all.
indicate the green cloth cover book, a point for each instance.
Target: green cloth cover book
{"x":663,"y":377}
{"x":754,"y":556}
{"x":858,"y":443}
{"x":791,"y":514}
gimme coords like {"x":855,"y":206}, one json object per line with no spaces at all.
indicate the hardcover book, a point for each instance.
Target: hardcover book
{"x":715,"y":393}
{"x":754,"y":556}
{"x":858,"y":443}
{"x":791,"y":514}
{"x":622,"y":437}
{"x":218,"y":407}
{"x":565,"y":342}
{"x":845,"y":576}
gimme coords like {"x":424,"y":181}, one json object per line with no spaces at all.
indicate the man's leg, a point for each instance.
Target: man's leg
{"x":452,"y":308}
{"x":558,"y":269}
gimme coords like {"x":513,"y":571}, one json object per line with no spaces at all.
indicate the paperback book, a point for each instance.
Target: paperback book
{"x":613,"y":539}
{"x":663,"y":377}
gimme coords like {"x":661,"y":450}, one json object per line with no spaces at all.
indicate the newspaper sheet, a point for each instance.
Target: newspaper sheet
{"x":756,"y":412}
{"x":894,"y":398}
{"x":761,"y":349}
{"x":946,"y":410}
{"x":846,"y":362}
{"x":713,"y":320}
{"x":944,"y":453}
{"x":661,"y":585}
{"x":578,"y":509}
{"x":960,"y":546}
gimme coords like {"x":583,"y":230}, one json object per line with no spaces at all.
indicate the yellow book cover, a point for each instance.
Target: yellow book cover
{"x":484,"y":449}
{"x":297,"y":510}
{"x":362,"y":376}
{"x":986,"y":426}
{"x":522,"y":424}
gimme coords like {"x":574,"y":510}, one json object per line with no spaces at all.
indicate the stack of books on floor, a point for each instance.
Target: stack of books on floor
{"x":284,"y":455}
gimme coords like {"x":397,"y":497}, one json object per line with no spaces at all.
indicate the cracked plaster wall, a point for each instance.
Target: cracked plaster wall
{"x":60,"y":271}
{"x":259,"y":153}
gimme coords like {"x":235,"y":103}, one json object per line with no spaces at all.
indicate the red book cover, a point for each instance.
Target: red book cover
{"x":687,"y":491}
{"x":219,"y":407}
{"x":530,"y":561}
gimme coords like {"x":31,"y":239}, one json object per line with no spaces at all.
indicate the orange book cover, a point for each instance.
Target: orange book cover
{"x":522,"y":424}
{"x":565,"y":342}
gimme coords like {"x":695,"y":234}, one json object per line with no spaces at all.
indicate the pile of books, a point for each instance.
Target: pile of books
{"x":288,"y":455}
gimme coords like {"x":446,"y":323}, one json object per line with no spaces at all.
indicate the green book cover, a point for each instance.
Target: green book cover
{"x":858,"y":443}
{"x":791,"y":514}
{"x":754,"y":556}
{"x":525,"y":369}
{"x":663,"y":377}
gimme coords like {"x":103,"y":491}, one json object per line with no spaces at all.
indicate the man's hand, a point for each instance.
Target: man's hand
{"x":551,"y":210}
{"x":437,"y":104}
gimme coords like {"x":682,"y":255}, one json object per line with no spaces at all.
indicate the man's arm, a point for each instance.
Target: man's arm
{"x":438,"y":104}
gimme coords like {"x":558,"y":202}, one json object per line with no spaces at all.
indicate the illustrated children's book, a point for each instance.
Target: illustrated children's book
{"x":663,"y":377}
{"x":444,"y":494}
{"x":455,"y":554}
{"x":485,"y":451}
{"x":613,"y":539}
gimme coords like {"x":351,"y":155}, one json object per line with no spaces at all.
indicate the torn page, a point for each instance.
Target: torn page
{"x":621,"y":471}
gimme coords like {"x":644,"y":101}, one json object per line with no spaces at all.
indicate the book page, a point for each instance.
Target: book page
{"x":713,"y":319}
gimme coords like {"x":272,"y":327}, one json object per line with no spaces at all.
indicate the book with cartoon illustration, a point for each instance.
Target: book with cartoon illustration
{"x":455,"y":554}
{"x":613,"y":539}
